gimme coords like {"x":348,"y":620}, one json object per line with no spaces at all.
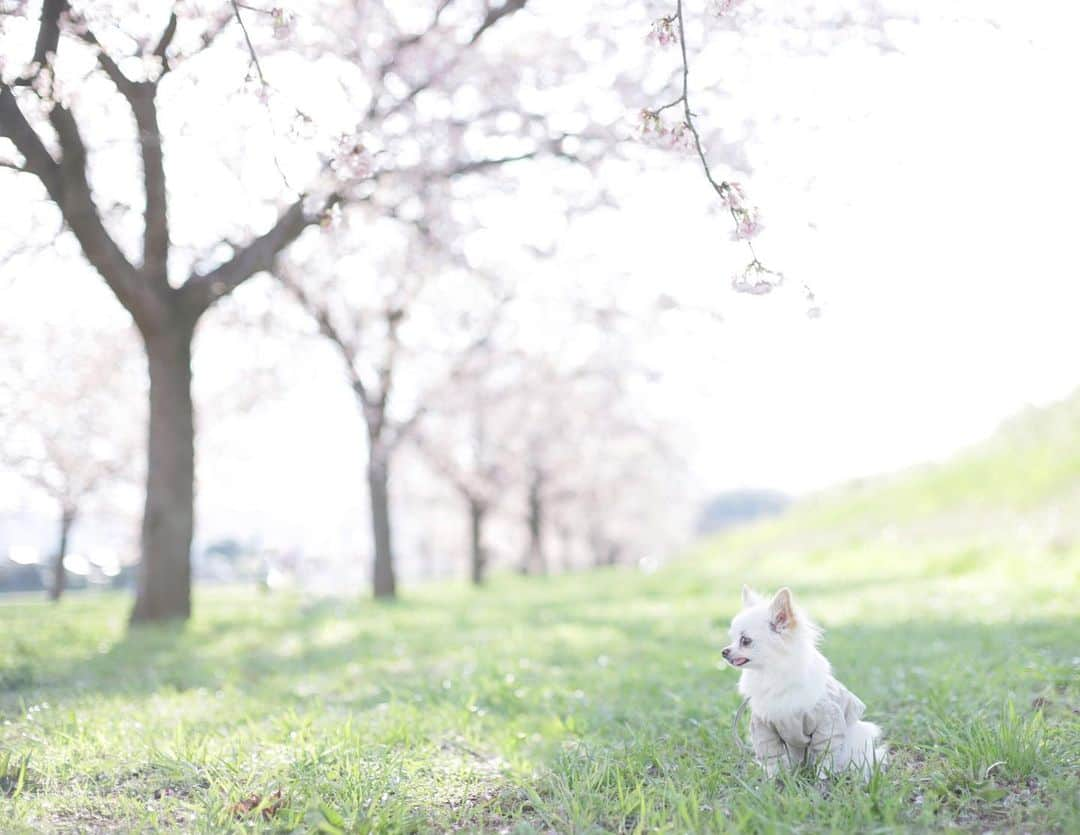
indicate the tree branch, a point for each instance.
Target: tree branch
{"x":156,"y":212}
{"x":15,"y":127}
{"x":250,"y":45}
{"x":447,"y":470}
{"x":200,"y":291}
{"x":404,"y":428}
{"x":327,"y":328}
{"x":495,"y":15}
{"x":141,"y":98}
{"x":76,"y":202}
{"x":67,"y":185}
{"x":756,"y":277}
{"x":122,"y":83}
{"x":473,"y":166}
{"x":166,"y":39}
{"x":492,"y":17}
{"x":721,"y":188}
{"x":48,"y":38}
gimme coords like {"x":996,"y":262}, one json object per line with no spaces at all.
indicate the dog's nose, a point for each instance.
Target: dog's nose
{"x":726,"y":652}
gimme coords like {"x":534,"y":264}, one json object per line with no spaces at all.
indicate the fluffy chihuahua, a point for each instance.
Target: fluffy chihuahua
{"x":799,"y":713}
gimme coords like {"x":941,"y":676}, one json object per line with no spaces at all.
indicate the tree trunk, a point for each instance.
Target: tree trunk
{"x":164,"y":585}
{"x":67,"y":519}
{"x":378,"y":475}
{"x":566,"y":545}
{"x":478,"y":553}
{"x":535,"y":558}
{"x":605,"y":551}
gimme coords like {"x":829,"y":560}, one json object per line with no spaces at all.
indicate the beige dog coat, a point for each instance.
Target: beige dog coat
{"x":818,"y":735}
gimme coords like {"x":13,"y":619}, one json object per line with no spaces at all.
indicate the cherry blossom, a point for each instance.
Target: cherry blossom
{"x":721,"y":8}
{"x":653,"y":128}
{"x":756,"y":280}
{"x":664,"y":32}
{"x":747,"y":224}
{"x":352,"y":160}
{"x":283,"y":21}
{"x":732,"y":195}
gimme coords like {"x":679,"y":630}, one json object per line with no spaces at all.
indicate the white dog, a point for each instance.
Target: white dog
{"x":799,"y":713}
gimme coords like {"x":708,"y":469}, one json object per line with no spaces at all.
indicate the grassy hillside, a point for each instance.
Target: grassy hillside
{"x":1023,"y":482}
{"x":586,"y":703}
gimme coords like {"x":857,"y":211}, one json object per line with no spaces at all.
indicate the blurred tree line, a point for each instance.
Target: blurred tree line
{"x":362,"y":156}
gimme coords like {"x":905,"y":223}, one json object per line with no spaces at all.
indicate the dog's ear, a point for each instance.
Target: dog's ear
{"x":749,"y":597}
{"x":781,"y":611}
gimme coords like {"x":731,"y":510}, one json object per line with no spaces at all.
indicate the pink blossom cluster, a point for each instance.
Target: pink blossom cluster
{"x":282,"y":22}
{"x":732,"y":195}
{"x":756,"y":280}
{"x":42,"y":78}
{"x":721,"y":8}
{"x":255,"y":86}
{"x":676,"y":137}
{"x":747,"y":218}
{"x":649,"y":122}
{"x":331,"y":218}
{"x":664,"y":31}
{"x":679,"y":138}
{"x":747,"y":224}
{"x":352,"y":161}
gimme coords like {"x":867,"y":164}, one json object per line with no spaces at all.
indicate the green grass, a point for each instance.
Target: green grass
{"x":585,"y":703}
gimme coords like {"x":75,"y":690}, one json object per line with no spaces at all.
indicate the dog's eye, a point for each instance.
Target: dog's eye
{"x":744,"y":641}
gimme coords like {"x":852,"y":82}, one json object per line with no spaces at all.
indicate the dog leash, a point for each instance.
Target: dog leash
{"x":739,"y":741}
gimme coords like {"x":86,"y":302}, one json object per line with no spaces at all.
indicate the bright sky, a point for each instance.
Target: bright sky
{"x":937,"y":226}
{"x":926,"y":195}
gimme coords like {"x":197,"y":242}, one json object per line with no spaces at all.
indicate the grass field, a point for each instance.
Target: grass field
{"x":583,"y":703}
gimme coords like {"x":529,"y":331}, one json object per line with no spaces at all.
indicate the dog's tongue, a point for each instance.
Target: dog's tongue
{"x":738,"y":662}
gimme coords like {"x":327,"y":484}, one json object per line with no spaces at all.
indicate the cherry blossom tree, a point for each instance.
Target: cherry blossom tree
{"x":95,"y":96}
{"x":595,"y":472}
{"x":185,"y":147}
{"x":50,"y":112}
{"x":401,"y":284}
{"x":66,"y":428}
{"x":549,"y":448}
{"x":403,"y":330}
{"x":470,"y":440}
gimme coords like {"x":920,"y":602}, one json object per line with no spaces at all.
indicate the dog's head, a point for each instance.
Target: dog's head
{"x":766,"y":631}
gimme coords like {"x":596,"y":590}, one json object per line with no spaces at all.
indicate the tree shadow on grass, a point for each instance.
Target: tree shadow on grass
{"x":637,"y":688}
{"x":405,"y":646}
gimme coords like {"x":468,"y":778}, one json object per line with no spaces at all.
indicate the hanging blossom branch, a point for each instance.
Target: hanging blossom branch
{"x":282,"y":20}
{"x":247,"y":39}
{"x":350,"y":158}
{"x":755,"y":278}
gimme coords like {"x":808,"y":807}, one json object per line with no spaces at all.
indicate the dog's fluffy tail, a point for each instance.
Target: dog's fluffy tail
{"x":866,"y":747}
